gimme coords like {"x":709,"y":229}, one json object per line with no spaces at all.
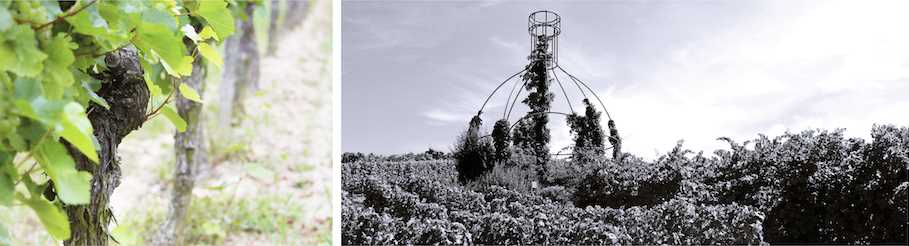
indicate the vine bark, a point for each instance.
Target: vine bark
{"x":123,"y":87}
{"x":190,"y":150}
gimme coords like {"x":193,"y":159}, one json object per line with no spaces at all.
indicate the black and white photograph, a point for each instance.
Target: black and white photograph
{"x":624,"y":122}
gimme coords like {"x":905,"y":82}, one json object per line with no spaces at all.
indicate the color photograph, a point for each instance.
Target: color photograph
{"x":165,"y":122}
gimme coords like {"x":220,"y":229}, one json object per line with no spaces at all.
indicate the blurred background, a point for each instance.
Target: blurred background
{"x":266,"y":175}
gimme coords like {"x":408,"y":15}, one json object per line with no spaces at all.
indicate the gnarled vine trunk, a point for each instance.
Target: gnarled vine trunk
{"x":124,"y":89}
{"x":190,"y":149}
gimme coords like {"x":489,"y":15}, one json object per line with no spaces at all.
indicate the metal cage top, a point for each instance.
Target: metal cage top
{"x":544,"y":23}
{"x":544,"y":28}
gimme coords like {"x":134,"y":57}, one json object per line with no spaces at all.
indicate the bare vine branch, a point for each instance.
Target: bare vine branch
{"x":166,"y":101}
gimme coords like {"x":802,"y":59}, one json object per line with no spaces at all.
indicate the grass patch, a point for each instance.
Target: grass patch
{"x":214,"y":218}
{"x":273,"y":220}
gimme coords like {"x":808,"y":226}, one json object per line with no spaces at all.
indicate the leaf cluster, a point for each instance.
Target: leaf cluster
{"x":51,"y":56}
{"x":810,"y":187}
{"x":400,"y":205}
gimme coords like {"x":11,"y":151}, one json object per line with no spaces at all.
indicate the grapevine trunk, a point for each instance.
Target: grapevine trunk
{"x":123,"y":87}
{"x":190,"y":150}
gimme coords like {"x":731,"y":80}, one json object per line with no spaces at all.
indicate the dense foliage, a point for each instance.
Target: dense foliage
{"x":501,"y":140}
{"x":397,"y":203}
{"x":819,"y":186}
{"x":615,"y":140}
{"x":531,"y":135}
{"x":814,"y":186}
{"x":473,"y":156}
{"x":52,"y":60}
{"x":588,"y":134}
{"x":430,"y":154}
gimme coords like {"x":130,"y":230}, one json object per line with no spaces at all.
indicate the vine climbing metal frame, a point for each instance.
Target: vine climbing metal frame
{"x":544,"y":27}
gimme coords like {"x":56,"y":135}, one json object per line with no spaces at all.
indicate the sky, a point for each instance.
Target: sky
{"x":414,"y":73}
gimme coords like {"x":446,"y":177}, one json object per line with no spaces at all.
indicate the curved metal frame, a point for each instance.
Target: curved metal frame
{"x":531,"y":115}
{"x":591,"y":91}
{"x":511,"y":101}
{"x":497,"y":88}
{"x":527,"y":116}
{"x":549,"y":22}
{"x":511,"y":108}
{"x":568,"y":100}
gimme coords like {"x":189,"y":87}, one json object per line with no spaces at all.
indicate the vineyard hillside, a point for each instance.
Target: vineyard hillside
{"x":812,"y":186}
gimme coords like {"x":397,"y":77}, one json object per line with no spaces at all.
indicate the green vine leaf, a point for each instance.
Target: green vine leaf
{"x":156,"y":79}
{"x":51,"y":9}
{"x":56,"y":66}
{"x":21,"y":40}
{"x":8,"y":173}
{"x":190,"y":93}
{"x":157,"y":13}
{"x":94,"y":97}
{"x":207,"y":33}
{"x":210,"y":54}
{"x":174,"y":118}
{"x":52,"y":217}
{"x":108,"y":25}
{"x":7,"y":56}
{"x":31,"y":102}
{"x":218,"y":17}
{"x":30,"y":12}
{"x":77,"y":129}
{"x":73,"y":187}
{"x":121,"y":16}
{"x":67,"y":119}
{"x":88,"y":21}
{"x":158,"y":41}
{"x":47,"y":54}
{"x":7,"y":189}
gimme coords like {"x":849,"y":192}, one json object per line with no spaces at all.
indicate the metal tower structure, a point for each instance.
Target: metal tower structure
{"x":544,"y":28}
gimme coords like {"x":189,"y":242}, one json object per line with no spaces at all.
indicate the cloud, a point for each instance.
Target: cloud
{"x":672,"y":73}
{"x":813,"y":69}
{"x":513,"y":47}
{"x":490,"y":3}
{"x":437,"y":116}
